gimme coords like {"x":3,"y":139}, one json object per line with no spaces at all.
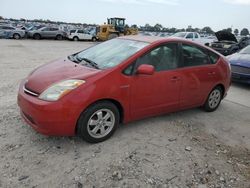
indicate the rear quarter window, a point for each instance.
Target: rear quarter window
{"x":213,"y":57}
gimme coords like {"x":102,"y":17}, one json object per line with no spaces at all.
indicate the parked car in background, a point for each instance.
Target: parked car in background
{"x":80,"y":34}
{"x":195,"y":37}
{"x":240,"y":65}
{"x":228,"y":44}
{"x":124,"y":79}
{"x":11,"y":32}
{"x":47,"y":32}
{"x":243,"y":42}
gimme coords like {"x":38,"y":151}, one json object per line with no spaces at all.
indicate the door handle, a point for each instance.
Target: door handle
{"x":175,"y":79}
{"x":211,"y":73}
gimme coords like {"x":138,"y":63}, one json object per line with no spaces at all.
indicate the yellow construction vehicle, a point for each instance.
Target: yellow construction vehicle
{"x":115,"y":28}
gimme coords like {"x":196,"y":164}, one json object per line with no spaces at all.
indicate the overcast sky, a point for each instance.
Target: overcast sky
{"x":218,"y":14}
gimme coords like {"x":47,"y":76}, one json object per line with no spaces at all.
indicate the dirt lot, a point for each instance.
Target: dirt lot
{"x":185,"y":149}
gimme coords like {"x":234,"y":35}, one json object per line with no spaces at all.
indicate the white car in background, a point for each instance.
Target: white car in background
{"x":194,"y":36}
{"x":80,"y":34}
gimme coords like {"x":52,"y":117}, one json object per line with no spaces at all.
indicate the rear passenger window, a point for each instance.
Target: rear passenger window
{"x":194,"y":56}
{"x":54,"y":29}
{"x":80,"y":31}
{"x":213,"y":57}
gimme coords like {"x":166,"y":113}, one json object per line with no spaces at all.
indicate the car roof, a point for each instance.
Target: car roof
{"x":156,"y":39}
{"x":152,"y":39}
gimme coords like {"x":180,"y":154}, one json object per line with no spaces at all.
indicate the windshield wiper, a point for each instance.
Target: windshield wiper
{"x":92,"y":63}
{"x":73,"y":58}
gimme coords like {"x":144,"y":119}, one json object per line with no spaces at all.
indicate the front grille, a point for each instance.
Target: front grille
{"x":217,"y":45}
{"x":239,"y":69}
{"x":30,"y":92}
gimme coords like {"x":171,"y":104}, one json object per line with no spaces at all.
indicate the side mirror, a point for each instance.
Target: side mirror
{"x":145,"y":69}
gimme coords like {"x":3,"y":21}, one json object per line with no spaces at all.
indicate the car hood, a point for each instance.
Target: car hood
{"x":48,"y":74}
{"x":225,"y":36}
{"x":240,"y":59}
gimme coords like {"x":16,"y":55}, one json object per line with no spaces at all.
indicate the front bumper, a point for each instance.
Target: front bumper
{"x":239,"y":77}
{"x":48,"y":118}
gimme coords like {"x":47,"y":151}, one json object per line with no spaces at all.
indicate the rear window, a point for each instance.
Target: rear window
{"x":213,"y":57}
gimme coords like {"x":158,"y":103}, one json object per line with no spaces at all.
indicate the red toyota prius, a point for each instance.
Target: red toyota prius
{"x":125,"y":79}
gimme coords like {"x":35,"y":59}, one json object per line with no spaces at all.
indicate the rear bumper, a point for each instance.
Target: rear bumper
{"x":48,"y":118}
{"x":243,"y":78}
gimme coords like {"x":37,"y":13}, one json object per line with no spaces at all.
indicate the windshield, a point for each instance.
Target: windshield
{"x":182,"y":35}
{"x":245,"y":50}
{"x":111,"y":53}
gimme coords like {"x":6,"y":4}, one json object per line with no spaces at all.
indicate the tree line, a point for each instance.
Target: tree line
{"x":205,"y":30}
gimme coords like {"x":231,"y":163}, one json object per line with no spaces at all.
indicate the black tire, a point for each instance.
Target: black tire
{"x":94,"y":39}
{"x":37,"y":36}
{"x":59,"y":37}
{"x":16,"y":36}
{"x":214,"y":99}
{"x":75,"y":39}
{"x":83,"y":126}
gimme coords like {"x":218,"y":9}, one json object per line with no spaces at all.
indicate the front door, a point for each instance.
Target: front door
{"x":157,"y":93}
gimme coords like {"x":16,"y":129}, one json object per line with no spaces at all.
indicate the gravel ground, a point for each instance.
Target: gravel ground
{"x":192,"y":148}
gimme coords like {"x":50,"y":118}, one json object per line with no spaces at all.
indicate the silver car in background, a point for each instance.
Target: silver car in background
{"x":11,"y":32}
{"x":47,"y":32}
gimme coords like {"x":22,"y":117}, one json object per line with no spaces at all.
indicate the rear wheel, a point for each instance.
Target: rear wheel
{"x":37,"y":36}
{"x":112,"y":36}
{"x":94,"y":39}
{"x":213,"y":100}
{"x":98,"y":122}
{"x":16,"y":36}
{"x":75,"y":39}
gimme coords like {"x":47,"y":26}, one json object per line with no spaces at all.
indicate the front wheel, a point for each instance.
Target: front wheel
{"x":98,"y":122}
{"x":75,"y":39}
{"x":213,"y":100}
{"x":16,"y":36}
{"x":94,"y":39}
{"x":59,"y":37}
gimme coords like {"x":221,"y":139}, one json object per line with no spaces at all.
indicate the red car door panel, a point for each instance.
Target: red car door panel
{"x":198,"y":76}
{"x":155,"y":94}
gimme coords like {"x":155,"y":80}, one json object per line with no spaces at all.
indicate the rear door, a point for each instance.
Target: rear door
{"x":53,"y":32}
{"x":199,"y":74}
{"x":45,"y":32}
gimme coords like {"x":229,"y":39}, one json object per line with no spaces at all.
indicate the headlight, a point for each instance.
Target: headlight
{"x":56,"y":91}
{"x":227,"y":46}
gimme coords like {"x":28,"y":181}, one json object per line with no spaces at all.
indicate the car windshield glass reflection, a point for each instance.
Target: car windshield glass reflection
{"x":111,"y":53}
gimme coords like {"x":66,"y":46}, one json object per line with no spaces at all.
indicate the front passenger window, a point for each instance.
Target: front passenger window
{"x":190,"y":36}
{"x":162,"y":58}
